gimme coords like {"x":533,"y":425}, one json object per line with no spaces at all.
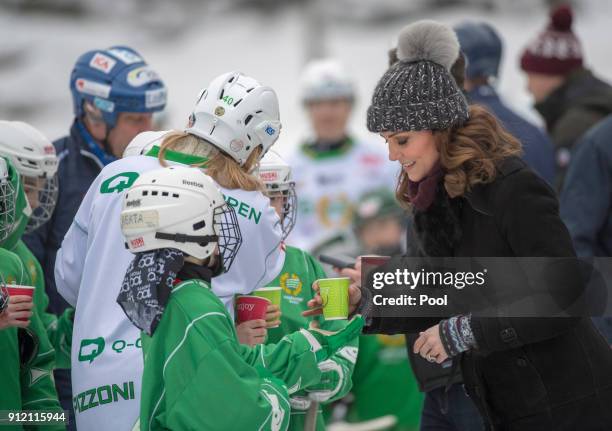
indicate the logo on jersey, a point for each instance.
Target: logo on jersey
{"x":119,"y":182}
{"x":335,"y":212}
{"x":291,"y":284}
{"x":101,"y":395}
{"x":90,"y":349}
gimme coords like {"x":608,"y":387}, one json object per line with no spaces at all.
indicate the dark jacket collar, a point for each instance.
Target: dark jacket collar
{"x":581,"y":88}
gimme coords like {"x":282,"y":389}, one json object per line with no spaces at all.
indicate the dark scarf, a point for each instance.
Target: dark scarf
{"x":421,"y":193}
{"x":147,"y":286}
{"x":191,"y":271}
{"x":438,"y":228}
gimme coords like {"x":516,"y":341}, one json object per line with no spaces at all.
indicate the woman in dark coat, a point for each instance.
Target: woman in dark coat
{"x":471,"y":195}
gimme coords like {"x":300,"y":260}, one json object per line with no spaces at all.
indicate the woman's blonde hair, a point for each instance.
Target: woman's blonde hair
{"x":219,"y":166}
{"x":469,"y":154}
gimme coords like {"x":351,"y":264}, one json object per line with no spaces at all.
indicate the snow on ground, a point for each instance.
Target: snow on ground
{"x":190,"y":46}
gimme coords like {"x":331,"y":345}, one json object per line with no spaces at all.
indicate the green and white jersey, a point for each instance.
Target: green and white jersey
{"x":89,"y":270}
{"x":27,"y":381}
{"x":329,"y":184}
{"x":198,"y":377}
{"x":296,"y":278}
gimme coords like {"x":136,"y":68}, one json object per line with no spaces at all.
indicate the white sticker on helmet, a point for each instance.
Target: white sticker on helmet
{"x":102,"y":62}
{"x":141,"y":76}
{"x":126,"y":56}
{"x":93,"y":88}
{"x":140,"y":219}
{"x":155,"y":98}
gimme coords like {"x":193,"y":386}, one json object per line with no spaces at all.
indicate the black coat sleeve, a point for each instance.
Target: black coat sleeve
{"x":527,"y":214}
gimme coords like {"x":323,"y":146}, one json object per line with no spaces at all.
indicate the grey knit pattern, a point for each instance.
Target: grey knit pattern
{"x":419,"y":95}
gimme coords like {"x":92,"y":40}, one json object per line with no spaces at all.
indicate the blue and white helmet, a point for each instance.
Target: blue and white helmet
{"x":116,"y":80}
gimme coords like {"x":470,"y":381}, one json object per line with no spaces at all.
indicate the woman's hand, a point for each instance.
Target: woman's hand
{"x":252,"y":332}
{"x":19,"y":307}
{"x":429,"y":345}
{"x":316,"y":303}
{"x":273,"y":315}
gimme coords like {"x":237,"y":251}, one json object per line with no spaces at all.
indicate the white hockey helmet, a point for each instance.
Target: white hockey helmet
{"x":142,"y":143}
{"x":326,"y":79}
{"x":236,"y":114}
{"x":34,"y":158}
{"x":182,"y":208}
{"x":7,"y":201}
{"x":275,"y":173}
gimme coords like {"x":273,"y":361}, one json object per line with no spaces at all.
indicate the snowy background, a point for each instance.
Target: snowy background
{"x":189,"y":42}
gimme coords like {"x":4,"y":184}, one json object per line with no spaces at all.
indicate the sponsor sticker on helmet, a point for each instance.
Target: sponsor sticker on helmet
{"x":236,"y":145}
{"x":269,"y":176}
{"x":141,"y":76}
{"x":104,"y":105}
{"x":270,"y":130}
{"x":102,"y":62}
{"x":155,"y":98}
{"x":140,"y":220}
{"x":137,"y":242}
{"x":94,"y":88}
{"x":219,"y":111}
{"x":128,"y":57}
{"x":49,"y":149}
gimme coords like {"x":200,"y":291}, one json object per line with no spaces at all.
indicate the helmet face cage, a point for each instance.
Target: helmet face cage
{"x":227,"y":229}
{"x":288,"y":214}
{"x":47,"y":191}
{"x":7,"y":208}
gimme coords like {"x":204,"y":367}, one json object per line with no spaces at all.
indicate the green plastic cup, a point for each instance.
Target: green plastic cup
{"x":271,"y":293}
{"x":334,"y":293}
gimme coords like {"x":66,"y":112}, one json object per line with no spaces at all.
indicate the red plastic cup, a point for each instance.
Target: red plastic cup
{"x":15,"y":290}
{"x":373,"y":260}
{"x":251,"y":308}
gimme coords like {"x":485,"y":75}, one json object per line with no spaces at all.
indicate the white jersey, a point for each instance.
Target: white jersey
{"x":107,"y":361}
{"x":329,"y":185}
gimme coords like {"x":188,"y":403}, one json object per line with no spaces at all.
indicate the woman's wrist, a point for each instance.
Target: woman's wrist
{"x":456,"y":335}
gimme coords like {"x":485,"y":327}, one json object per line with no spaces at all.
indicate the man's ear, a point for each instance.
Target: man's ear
{"x":94,"y":121}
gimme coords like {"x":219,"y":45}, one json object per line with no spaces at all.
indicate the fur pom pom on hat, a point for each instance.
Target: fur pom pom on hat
{"x":428,"y":40}
{"x":418,"y":92}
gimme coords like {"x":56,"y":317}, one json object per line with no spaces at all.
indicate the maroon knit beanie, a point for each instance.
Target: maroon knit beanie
{"x":557,"y":50}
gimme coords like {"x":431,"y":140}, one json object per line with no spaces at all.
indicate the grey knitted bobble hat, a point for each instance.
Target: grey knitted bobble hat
{"x":418,"y":92}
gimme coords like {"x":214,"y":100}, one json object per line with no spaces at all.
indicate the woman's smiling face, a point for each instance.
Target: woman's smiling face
{"x":415,"y":151}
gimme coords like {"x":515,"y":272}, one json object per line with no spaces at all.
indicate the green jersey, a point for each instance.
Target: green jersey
{"x":296,"y":278}
{"x":383,"y":383}
{"x":27,"y":359}
{"x":198,"y":376}
{"x":59,"y":329}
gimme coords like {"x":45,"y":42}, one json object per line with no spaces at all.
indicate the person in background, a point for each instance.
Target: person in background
{"x":482,"y":47}
{"x":333,"y":168}
{"x":567,"y":95}
{"x":114,"y":95}
{"x":383,"y":381}
{"x":586,"y":200}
